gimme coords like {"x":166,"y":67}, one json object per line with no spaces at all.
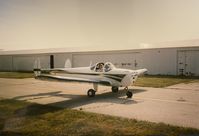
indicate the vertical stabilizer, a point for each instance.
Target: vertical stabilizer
{"x":67,"y":64}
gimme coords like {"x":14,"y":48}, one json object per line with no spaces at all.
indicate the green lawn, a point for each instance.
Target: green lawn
{"x":19,"y":118}
{"x":163,"y":81}
{"x":16,"y":74}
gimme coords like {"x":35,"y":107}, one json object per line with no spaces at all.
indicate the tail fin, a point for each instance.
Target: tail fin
{"x":37,"y":67}
{"x":67,"y":64}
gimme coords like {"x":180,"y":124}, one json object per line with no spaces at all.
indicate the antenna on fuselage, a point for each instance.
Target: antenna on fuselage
{"x":90,"y":63}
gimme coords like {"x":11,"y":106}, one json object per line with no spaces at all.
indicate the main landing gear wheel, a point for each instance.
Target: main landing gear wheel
{"x":91,"y":93}
{"x":129,"y":94}
{"x":115,"y":89}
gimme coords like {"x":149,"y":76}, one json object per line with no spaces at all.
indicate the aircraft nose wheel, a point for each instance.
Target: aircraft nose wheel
{"x":129,"y":94}
{"x":91,"y":93}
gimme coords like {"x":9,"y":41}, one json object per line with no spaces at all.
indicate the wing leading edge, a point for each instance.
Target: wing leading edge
{"x":70,"y":79}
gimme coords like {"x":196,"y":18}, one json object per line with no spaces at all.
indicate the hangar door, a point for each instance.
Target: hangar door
{"x":5,"y":63}
{"x":120,"y":60}
{"x":26,"y":63}
{"x":188,"y":63}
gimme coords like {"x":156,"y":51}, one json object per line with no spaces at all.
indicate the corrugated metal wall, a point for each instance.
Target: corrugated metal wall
{"x":6,"y":63}
{"x":120,"y":60}
{"x":22,"y":62}
{"x":160,"y":61}
{"x":61,"y":58}
{"x":26,"y":63}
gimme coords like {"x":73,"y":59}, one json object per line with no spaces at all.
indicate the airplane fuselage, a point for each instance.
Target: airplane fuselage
{"x":104,"y":74}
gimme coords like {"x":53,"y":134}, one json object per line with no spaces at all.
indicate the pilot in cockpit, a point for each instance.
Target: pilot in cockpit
{"x":99,"y":67}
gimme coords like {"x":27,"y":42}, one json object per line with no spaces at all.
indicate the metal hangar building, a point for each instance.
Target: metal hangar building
{"x":159,"y":61}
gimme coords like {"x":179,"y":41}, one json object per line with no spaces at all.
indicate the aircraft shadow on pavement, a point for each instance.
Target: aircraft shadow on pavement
{"x":82,"y":100}
{"x":37,"y":96}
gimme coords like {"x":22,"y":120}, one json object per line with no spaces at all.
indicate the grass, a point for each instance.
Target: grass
{"x":163,"y":81}
{"x":16,"y":75}
{"x":30,"y":119}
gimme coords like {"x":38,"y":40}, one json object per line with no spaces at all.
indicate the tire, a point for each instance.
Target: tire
{"x":115,"y":89}
{"x":129,"y":94}
{"x":91,"y":93}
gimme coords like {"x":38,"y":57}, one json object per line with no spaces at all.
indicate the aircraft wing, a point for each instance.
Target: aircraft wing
{"x":70,"y":79}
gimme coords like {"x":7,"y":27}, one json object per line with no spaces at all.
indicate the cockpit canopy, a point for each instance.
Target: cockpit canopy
{"x":102,"y":67}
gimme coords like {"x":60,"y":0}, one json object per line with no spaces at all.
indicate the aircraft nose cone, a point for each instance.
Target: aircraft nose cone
{"x":145,"y":71}
{"x":142,"y":71}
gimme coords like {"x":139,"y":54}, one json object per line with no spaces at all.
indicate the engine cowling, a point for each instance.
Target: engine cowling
{"x":129,"y":80}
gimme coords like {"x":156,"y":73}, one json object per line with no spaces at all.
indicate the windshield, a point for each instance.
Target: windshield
{"x":92,"y":67}
{"x":100,"y":67}
{"x":108,"y":67}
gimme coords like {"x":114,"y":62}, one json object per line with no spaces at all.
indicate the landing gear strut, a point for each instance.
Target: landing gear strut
{"x":129,"y":94}
{"x":91,"y":93}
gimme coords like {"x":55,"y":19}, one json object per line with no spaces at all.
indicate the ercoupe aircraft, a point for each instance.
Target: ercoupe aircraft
{"x":100,"y":73}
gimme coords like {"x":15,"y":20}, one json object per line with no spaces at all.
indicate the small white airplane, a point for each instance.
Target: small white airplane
{"x":100,"y":73}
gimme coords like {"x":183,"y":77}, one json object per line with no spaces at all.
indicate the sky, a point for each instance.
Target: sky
{"x":104,"y":24}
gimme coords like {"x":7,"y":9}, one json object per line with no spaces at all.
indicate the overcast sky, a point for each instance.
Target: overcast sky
{"x":32,"y":24}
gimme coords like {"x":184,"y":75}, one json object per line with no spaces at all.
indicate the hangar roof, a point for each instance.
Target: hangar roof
{"x":163,"y":45}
